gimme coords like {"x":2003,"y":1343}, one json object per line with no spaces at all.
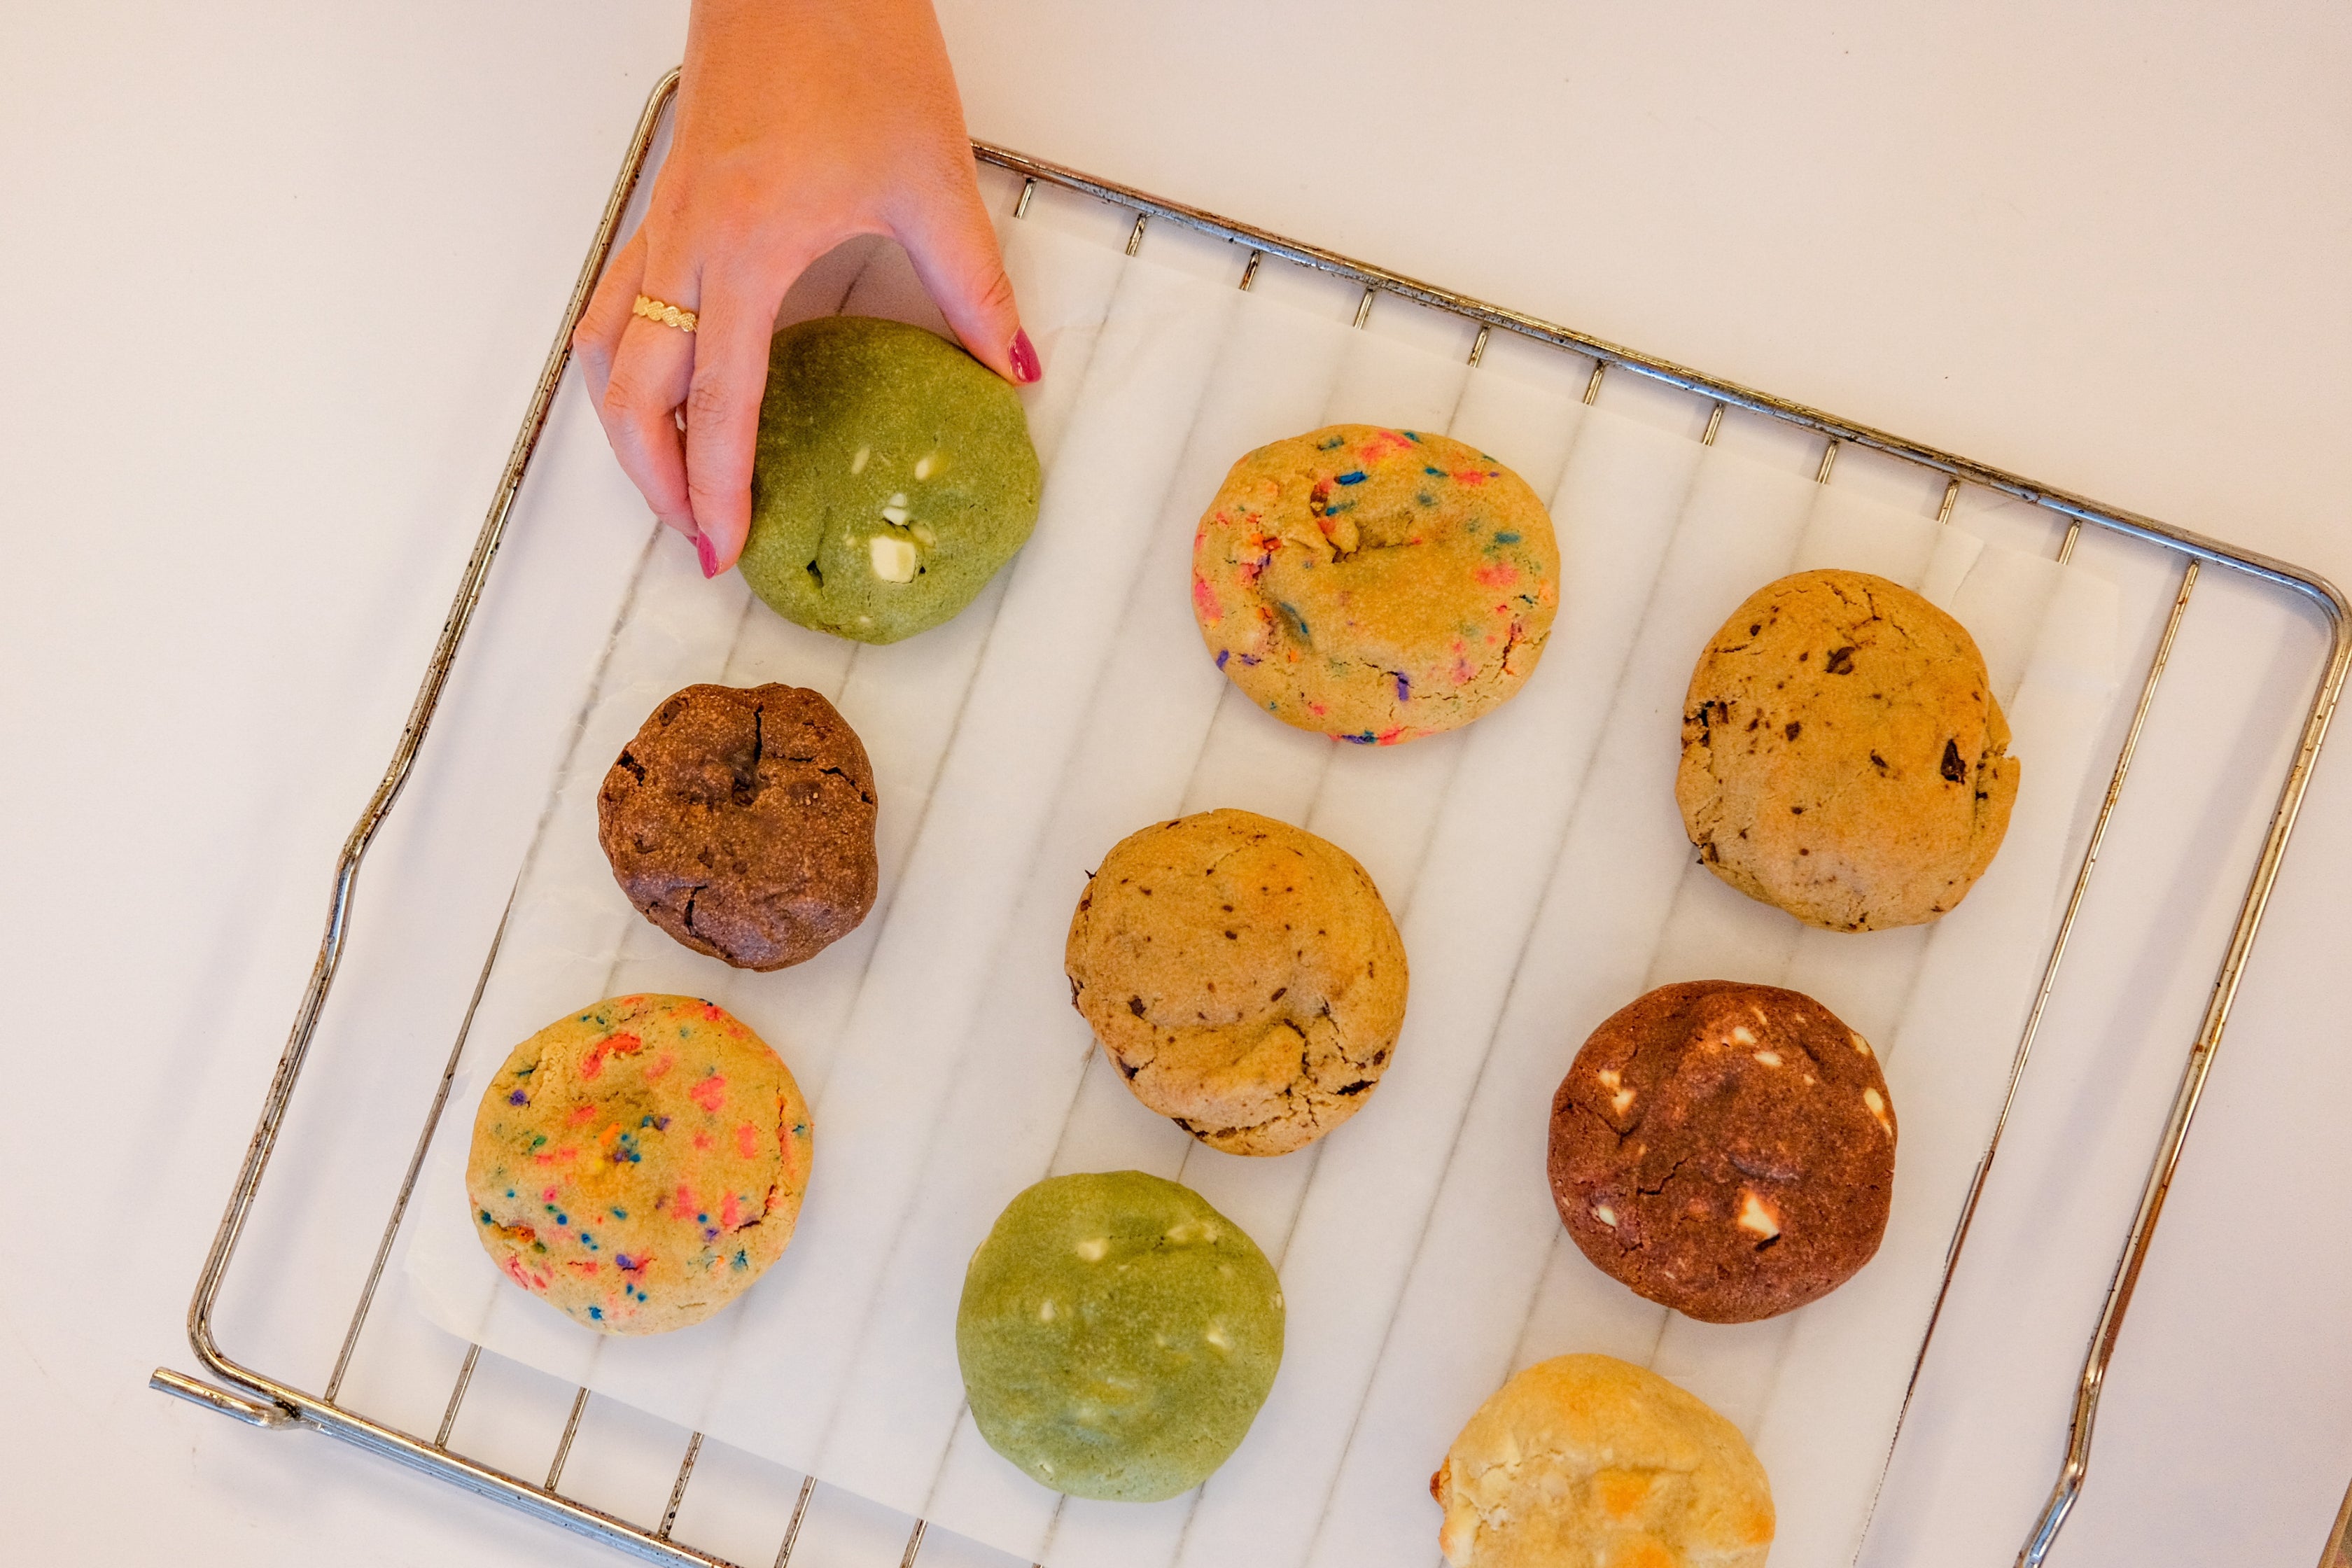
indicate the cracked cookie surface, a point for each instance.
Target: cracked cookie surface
{"x":894,"y":476}
{"x":640,"y":1162}
{"x":1586,"y":1461}
{"x":1844,"y":756}
{"x":1117,"y":1335}
{"x":741,"y":821}
{"x":1725,"y":1150}
{"x":1241,"y":974}
{"x":1375,"y":585}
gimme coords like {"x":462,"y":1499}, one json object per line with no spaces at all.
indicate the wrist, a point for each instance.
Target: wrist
{"x":800,"y":13}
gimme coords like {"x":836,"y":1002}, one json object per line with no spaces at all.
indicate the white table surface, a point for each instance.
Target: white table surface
{"x":275,"y":282}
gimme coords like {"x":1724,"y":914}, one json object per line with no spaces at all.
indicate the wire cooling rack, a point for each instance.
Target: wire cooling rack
{"x":259,"y":1399}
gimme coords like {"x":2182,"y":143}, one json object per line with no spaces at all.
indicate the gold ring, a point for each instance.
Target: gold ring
{"x":653,"y":309}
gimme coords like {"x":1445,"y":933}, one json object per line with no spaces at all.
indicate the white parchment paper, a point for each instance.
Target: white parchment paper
{"x":1535,"y":862}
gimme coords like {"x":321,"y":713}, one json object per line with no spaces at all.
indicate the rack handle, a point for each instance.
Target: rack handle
{"x":252,"y":1412}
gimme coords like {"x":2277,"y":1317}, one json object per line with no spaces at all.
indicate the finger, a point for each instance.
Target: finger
{"x":651,"y":371}
{"x":953,"y":248}
{"x":722,"y":404}
{"x":598,"y":335}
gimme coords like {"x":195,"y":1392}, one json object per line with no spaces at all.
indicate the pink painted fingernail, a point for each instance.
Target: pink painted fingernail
{"x":706,"y":553}
{"x":1024,"y":359}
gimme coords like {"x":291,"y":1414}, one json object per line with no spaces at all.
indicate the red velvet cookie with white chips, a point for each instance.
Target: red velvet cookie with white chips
{"x":1725,"y":1150}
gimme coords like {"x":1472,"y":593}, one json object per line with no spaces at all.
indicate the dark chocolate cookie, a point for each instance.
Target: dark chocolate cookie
{"x":1725,"y":1150}
{"x":740,"y":820}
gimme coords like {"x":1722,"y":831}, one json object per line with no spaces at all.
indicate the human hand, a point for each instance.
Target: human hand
{"x":800,"y":123}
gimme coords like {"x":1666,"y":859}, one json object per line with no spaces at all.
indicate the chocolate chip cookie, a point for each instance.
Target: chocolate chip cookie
{"x":740,"y":820}
{"x":1844,"y":756}
{"x":1725,"y":1150}
{"x":1374,"y":584}
{"x":1243,"y":974}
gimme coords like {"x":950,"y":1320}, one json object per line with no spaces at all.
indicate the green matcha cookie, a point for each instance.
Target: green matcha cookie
{"x":894,"y":476}
{"x":1118,"y":1335}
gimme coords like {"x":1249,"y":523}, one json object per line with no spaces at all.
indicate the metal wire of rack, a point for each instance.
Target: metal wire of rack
{"x":259,"y":1399}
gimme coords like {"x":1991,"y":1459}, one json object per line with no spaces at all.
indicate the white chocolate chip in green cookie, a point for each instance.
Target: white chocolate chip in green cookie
{"x":867,"y":425}
{"x":894,"y":559}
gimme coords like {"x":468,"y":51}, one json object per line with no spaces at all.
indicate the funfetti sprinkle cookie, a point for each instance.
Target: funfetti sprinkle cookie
{"x":1374,"y":584}
{"x":639,"y":1163}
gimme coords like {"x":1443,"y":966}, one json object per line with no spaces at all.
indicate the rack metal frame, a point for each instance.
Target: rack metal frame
{"x":258,"y":1399}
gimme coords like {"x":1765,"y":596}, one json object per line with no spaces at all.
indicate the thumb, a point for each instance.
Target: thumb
{"x":953,"y":248}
